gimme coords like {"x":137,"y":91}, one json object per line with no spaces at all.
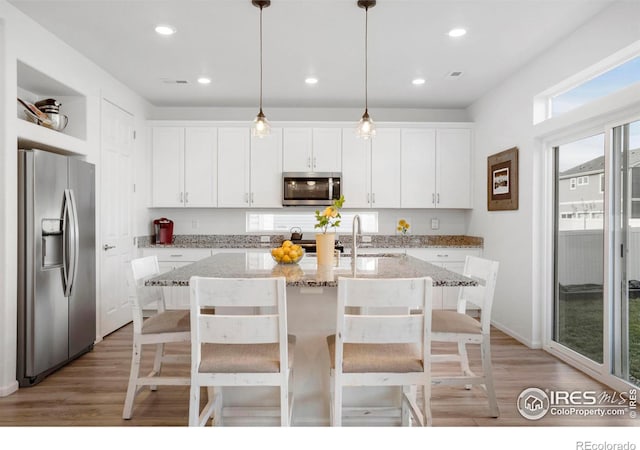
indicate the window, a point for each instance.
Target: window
{"x":603,"y":84}
{"x":283,"y":222}
{"x":572,"y":183}
{"x":582,"y":181}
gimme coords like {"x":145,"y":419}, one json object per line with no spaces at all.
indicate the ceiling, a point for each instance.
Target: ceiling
{"x":322,"y":38}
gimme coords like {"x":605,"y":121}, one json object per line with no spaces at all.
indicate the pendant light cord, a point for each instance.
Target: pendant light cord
{"x":260,"y":58}
{"x":366,"y":58}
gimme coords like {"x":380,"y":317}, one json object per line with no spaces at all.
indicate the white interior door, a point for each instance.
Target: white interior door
{"x":116,"y":243}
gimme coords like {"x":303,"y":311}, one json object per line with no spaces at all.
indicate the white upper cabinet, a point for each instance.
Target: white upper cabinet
{"x":233,"y":167}
{"x":418,"y":168}
{"x":312,"y":150}
{"x":385,"y":169}
{"x":436,"y":168}
{"x":249,"y":169}
{"x":371,"y":170}
{"x":200,"y":167}
{"x":184,"y":167}
{"x":266,"y":170}
{"x":453,"y":168}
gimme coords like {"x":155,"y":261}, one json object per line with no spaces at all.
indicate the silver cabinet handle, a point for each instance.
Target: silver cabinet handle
{"x":373,"y":197}
{"x":175,"y":256}
{"x":368,"y":198}
{"x":246,"y":197}
{"x":433,"y":199}
{"x":309,"y":162}
{"x":108,"y":247}
{"x":438,"y":197}
{"x":314,"y":162}
{"x":443,"y":256}
{"x":252,"y":197}
{"x":186,"y":197}
{"x":181,"y":197}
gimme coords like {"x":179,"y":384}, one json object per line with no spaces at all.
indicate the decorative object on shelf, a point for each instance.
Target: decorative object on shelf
{"x":46,"y":113}
{"x":33,"y":114}
{"x":502,"y":180}
{"x":366,"y":128}
{"x":287,"y":253}
{"x":325,"y":242}
{"x":261,"y":126}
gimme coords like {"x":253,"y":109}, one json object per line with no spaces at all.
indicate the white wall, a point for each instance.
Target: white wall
{"x":504,"y":118}
{"x":27,"y":41}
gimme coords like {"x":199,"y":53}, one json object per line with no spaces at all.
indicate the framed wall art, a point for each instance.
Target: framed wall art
{"x":502,"y":180}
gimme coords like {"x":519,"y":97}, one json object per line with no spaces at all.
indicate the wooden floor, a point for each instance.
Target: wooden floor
{"x":90,"y":391}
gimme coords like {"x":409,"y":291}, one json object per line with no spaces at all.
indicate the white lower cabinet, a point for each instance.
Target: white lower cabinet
{"x":176,"y":297}
{"x":451,"y":259}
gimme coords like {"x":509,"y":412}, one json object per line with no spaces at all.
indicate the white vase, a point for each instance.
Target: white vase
{"x":325,"y":245}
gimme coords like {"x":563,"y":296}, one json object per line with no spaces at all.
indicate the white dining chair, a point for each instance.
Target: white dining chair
{"x":460,"y":328}
{"x":162,"y":327}
{"x":247,"y":345}
{"x":382,"y":342}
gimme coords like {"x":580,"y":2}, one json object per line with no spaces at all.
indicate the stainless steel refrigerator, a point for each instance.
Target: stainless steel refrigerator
{"x":56,"y":262}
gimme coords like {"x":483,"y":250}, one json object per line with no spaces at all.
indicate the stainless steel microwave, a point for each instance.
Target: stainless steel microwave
{"x":310,"y":188}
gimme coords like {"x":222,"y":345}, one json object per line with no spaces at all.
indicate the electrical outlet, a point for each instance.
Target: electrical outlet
{"x":366,"y":238}
{"x":265,"y":238}
{"x":194,"y":224}
{"x":435,"y":224}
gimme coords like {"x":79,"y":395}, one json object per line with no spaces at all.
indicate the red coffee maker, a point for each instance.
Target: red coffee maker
{"x":164,"y":230}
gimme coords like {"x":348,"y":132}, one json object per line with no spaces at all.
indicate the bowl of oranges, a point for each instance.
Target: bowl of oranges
{"x":287,"y":253}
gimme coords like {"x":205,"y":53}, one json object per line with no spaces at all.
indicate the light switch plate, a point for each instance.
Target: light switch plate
{"x":366,"y":238}
{"x":265,"y":239}
{"x":435,"y":224}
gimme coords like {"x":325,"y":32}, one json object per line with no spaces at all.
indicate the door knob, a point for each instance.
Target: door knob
{"x":108,"y":247}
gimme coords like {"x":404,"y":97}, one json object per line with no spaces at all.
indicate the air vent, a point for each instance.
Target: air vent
{"x":169,"y":81}
{"x":454,"y":74}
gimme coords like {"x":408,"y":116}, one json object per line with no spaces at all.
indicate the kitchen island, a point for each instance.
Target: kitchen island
{"x":311,"y":316}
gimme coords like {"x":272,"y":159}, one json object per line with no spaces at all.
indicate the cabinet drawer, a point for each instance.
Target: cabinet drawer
{"x":443,"y":254}
{"x":177,"y":254}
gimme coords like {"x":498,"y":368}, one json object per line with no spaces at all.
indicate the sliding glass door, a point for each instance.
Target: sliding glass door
{"x":626,"y":351}
{"x":579,"y":246}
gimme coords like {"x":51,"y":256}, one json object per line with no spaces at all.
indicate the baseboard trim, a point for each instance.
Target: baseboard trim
{"x":528,"y":342}
{"x":9,"y":389}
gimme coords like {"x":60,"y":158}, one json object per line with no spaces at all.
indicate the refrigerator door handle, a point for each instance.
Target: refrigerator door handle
{"x":70,"y":241}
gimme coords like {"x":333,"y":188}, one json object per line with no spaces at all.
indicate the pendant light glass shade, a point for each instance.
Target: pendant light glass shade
{"x":366,"y":129}
{"x":261,"y":126}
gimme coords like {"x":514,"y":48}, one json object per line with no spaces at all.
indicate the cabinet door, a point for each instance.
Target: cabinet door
{"x":418,"y":156}
{"x":266,"y":170}
{"x":356,"y":170}
{"x":385,"y":169}
{"x":453,"y":165}
{"x":200,"y":167}
{"x":297,"y":144}
{"x":233,"y":167}
{"x":327,"y":150}
{"x":167,"y":166}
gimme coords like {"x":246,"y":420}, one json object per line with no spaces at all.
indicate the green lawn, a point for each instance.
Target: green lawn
{"x":580,"y":326}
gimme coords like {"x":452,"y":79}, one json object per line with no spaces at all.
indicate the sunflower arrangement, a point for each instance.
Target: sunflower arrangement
{"x":403,"y":226}
{"x":330,"y":217}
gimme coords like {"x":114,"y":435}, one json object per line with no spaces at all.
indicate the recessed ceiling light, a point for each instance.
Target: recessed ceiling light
{"x":311,"y":80}
{"x":204,"y":80}
{"x":418,"y":81}
{"x":165,"y":30}
{"x":457,"y":32}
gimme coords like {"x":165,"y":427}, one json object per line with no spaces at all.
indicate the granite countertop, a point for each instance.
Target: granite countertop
{"x":254,"y":241}
{"x":307,"y":273}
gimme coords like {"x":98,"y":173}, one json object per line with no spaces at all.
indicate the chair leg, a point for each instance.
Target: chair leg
{"x":194,"y":404}
{"x":133,"y":380}
{"x":331,"y":393}
{"x":406,"y":413}
{"x":487,"y":370}
{"x":464,"y":362}
{"x":157,"y":364}
{"x":284,"y":404}
{"x":337,"y":403}
{"x":426,"y":405}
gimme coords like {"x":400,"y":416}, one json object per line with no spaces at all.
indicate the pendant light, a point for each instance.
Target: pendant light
{"x":261,"y":126}
{"x":366,"y":128}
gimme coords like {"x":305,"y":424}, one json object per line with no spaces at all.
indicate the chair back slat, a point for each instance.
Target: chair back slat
{"x":257,"y":329}
{"x":402,"y":329}
{"x":238,"y":292}
{"x":485,"y":272}
{"x":147,"y":297}
{"x":384,"y":293}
